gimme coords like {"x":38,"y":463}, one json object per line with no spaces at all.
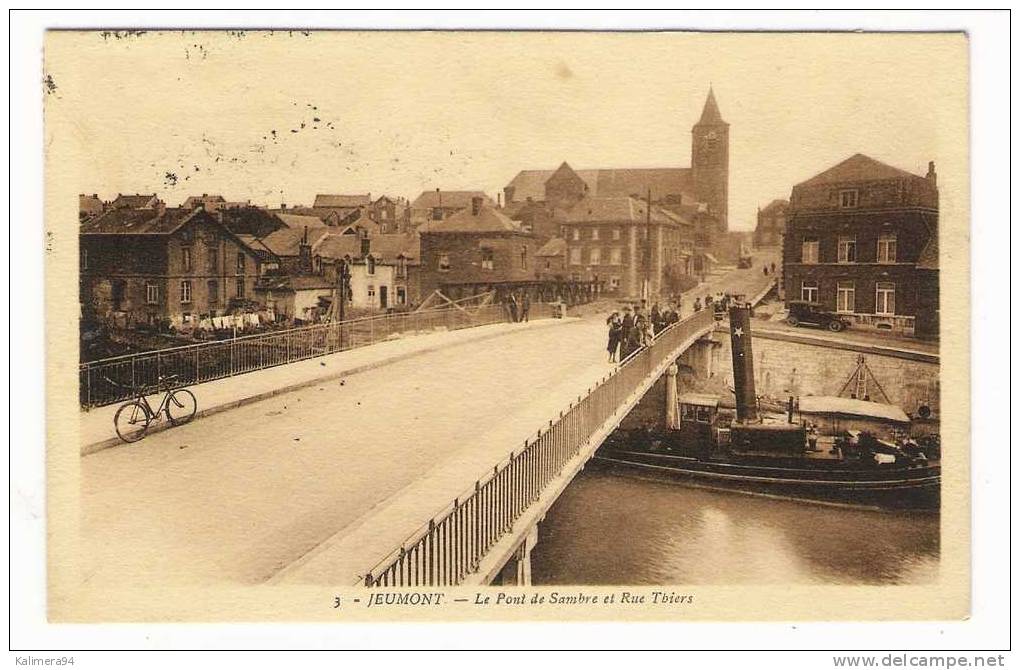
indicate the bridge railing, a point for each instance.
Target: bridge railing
{"x":452,"y":544}
{"x":111,"y":380}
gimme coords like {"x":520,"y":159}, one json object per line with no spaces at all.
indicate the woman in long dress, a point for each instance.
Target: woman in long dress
{"x":615,"y":330}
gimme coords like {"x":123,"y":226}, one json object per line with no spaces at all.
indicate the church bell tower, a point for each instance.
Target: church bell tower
{"x":710,"y":160}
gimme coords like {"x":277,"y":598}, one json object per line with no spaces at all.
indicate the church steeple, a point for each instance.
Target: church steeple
{"x":710,"y":115}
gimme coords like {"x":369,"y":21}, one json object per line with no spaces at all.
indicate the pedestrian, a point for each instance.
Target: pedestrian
{"x":765,"y":270}
{"x":525,"y":306}
{"x":626,"y":328}
{"x":773,"y":267}
{"x":513,"y":307}
{"x":674,"y":314}
{"x":812,"y":438}
{"x":656,"y":318}
{"x":615,"y":330}
{"x":697,"y":304}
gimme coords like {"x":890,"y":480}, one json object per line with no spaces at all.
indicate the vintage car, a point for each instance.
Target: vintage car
{"x":810,"y":313}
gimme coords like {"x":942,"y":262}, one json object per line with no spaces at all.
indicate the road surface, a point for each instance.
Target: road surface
{"x":241,"y":495}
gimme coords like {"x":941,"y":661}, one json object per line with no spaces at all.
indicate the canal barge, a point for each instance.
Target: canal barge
{"x":772,"y":454}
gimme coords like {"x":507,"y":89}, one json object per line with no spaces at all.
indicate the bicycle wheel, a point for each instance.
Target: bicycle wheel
{"x":181,"y":406}
{"x":131,"y":421}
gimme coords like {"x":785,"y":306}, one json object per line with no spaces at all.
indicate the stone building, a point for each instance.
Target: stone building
{"x":771,"y":224}
{"x":155,"y":266}
{"x":862,"y":239}
{"x":619,"y":241}
{"x":475,"y":246}
{"x":439,"y":205}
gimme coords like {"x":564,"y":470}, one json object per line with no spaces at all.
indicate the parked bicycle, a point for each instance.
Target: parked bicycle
{"x":134,"y":417}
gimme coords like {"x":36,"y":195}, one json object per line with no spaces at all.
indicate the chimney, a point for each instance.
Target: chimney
{"x":743,"y":364}
{"x":476,"y":205}
{"x":931,"y":176}
{"x":305,"y":253}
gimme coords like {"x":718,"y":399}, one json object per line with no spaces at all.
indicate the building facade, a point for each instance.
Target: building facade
{"x":771,"y":224}
{"x":163,"y":267}
{"x":476,"y":246}
{"x":631,"y":249}
{"x":855,"y":236}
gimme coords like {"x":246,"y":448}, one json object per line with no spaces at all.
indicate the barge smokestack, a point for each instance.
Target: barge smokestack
{"x":743,"y":364}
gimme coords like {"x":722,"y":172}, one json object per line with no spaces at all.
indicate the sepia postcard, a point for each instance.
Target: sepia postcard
{"x":352,"y":326}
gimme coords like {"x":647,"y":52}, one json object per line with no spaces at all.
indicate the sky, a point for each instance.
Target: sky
{"x":279,"y":117}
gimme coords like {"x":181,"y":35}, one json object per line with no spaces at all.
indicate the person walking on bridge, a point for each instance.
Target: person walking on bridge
{"x":513,"y":307}
{"x":525,"y":306}
{"x":626,"y":330}
{"x":615,"y":331}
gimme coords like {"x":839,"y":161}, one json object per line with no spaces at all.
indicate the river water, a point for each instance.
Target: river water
{"x":613,"y":529}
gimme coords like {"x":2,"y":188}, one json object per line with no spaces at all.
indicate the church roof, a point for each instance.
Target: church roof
{"x":710,"y":112}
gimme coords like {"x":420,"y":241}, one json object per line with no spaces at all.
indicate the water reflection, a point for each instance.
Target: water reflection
{"x":611,"y":529}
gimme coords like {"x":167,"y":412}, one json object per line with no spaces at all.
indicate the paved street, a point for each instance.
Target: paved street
{"x":241,"y":494}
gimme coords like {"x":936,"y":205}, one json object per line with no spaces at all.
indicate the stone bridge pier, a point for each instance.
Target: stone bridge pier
{"x":699,"y":359}
{"x":517,"y":571}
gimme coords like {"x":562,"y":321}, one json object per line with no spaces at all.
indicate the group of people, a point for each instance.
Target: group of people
{"x":765,"y":269}
{"x":637,"y":327}
{"x":519,"y":306}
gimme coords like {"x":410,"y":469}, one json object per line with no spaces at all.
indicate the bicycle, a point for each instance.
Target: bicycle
{"x":133,"y":418}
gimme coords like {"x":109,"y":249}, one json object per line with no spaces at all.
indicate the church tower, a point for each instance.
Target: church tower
{"x":710,"y":160}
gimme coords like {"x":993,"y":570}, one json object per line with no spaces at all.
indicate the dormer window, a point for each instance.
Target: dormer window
{"x":848,"y":198}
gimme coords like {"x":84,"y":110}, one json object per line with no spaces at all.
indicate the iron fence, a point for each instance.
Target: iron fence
{"x":452,"y":544}
{"x":112,"y":380}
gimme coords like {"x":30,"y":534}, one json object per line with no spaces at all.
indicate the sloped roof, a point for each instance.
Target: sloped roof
{"x":90,"y":204}
{"x":622,"y":209}
{"x":196,"y":200}
{"x":858,"y":168}
{"x":388,"y":248}
{"x":451,"y":199}
{"x":929,"y":258}
{"x":287,"y":241}
{"x":557,"y":246}
{"x":293,"y":283}
{"x":126,"y":221}
{"x":338,"y":246}
{"x":488,"y":220}
{"x":776,"y":204}
{"x":852,"y":407}
{"x":249,"y":220}
{"x":256,"y":246}
{"x":299,"y":221}
{"x":138,"y":200}
{"x":341,"y":200}
{"x":365,"y":222}
{"x":611,"y":182}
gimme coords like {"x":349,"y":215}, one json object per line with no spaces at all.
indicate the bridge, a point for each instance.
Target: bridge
{"x":431,"y":463}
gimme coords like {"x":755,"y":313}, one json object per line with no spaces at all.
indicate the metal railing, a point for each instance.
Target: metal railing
{"x":111,"y":380}
{"x":452,"y":544}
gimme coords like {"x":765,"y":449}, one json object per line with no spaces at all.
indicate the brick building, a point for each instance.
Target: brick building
{"x":439,"y":205}
{"x":862,"y":239}
{"x":477,"y":245}
{"x":158,"y":265}
{"x":617,"y":240}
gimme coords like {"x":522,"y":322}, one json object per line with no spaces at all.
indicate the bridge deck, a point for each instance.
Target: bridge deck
{"x":242,"y":494}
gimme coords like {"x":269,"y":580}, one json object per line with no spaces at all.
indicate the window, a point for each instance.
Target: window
{"x":186,"y":259}
{"x":437,"y":213}
{"x":152,"y":293}
{"x":185,"y":290}
{"x":847,"y":249}
{"x":239,"y":287}
{"x":84,"y":259}
{"x":371,"y":292}
{"x":186,"y":236}
{"x":401,"y":267}
{"x":616,"y":256}
{"x":885,"y":298}
{"x":809,"y":291}
{"x":401,"y":295}
{"x":241,"y":263}
{"x":444,"y":262}
{"x":845,"y":297}
{"x":595,"y":256}
{"x":575,"y":255}
{"x":848,"y":198}
{"x":886,"y":248}
{"x":576,"y":234}
{"x":616,"y":233}
{"x":213,"y":257}
{"x":213,"y":287}
{"x":488,"y":261}
{"x":370,"y":265}
{"x":595,"y":233}
{"x":524,"y":256}
{"x":809,"y":251}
